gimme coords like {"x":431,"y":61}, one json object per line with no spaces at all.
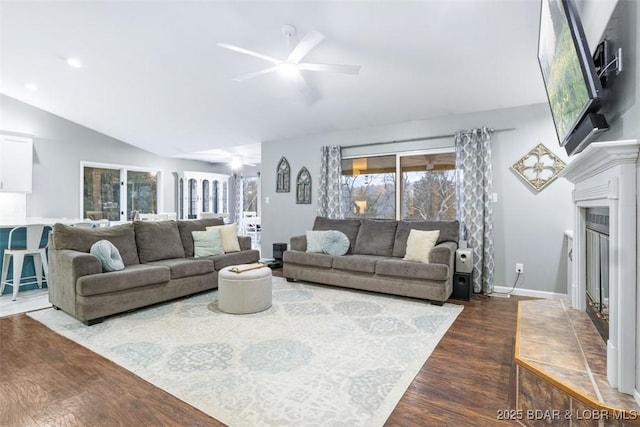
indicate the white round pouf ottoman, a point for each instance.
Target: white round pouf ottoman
{"x":245,"y":292}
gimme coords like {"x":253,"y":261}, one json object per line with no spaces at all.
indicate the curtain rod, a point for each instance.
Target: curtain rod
{"x":424,"y":138}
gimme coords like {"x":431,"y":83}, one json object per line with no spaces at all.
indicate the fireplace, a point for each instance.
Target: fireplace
{"x":605,"y":177}
{"x":597,"y":265}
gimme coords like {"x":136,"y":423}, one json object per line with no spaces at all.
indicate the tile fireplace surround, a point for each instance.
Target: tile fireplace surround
{"x":606,"y":174}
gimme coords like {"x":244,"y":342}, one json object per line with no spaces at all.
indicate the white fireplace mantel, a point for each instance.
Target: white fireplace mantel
{"x":605,"y":174}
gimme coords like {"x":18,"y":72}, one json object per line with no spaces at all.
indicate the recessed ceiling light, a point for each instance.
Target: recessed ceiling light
{"x":74,"y":62}
{"x":31,"y":86}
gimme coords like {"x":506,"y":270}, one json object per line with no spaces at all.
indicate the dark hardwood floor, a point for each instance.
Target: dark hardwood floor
{"x":48,"y":380}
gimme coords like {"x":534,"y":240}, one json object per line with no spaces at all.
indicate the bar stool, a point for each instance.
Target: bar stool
{"x":33,"y":249}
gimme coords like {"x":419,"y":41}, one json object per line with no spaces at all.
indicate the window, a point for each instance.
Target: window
{"x":216,"y":197}
{"x":369,"y":187}
{"x":428,"y":186}
{"x":205,"y":196}
{"x":193,"y":199}
{"x":101,"y":194}
{"x":250,"y":194}
{"x":142,"y":192}
{"x":104,"y":195}
{"x":426,"y":190}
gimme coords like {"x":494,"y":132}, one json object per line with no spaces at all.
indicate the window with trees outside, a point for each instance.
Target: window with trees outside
{"x":250,"y":194}
{"x":112,"y":192}
{"x":426,"y":188}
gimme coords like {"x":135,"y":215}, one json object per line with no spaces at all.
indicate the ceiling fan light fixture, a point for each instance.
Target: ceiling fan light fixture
{"x":236,"y":163}
{"x":288,"y":68}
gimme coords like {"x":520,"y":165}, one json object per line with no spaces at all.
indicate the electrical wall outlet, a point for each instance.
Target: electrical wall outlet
{"x":519,"y":268}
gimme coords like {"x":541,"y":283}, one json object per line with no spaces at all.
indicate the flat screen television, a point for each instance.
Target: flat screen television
{"x":572,"y":85}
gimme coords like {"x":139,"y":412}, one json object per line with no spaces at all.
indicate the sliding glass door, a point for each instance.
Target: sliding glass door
{"x":104,"y":195}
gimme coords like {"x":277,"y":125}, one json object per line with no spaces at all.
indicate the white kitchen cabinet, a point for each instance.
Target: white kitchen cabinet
{"x":16,"y":164}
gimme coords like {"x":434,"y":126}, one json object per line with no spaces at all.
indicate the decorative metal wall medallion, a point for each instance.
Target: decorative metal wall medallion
{"x":303,"y":187}
{"x":539,"y":167}
{"x":283,"y":182}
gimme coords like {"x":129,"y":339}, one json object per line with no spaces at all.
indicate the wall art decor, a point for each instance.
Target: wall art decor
{"x":303,"y":187}
{"x":283,"y":172}
{"x":539,"y":167}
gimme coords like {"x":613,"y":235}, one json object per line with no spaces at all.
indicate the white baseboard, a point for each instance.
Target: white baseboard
{"x":530,"y":292}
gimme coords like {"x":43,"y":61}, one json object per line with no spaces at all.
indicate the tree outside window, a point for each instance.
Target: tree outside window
{"x":250,"y":194}
{"x":427,"y":188}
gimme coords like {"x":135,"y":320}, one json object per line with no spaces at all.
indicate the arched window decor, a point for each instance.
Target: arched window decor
{"x":303,"y":187}
{"x":283,"y":183}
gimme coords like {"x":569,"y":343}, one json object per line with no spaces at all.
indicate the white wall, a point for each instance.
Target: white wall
{"x":528,"y":226}
{"x":59,"y":147}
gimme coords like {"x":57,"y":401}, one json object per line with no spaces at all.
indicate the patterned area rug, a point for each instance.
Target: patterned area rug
{"x":318,"y":356}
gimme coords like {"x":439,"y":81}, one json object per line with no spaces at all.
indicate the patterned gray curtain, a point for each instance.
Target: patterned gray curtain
{"x":330,"y":182}
{"x":473,"y":192}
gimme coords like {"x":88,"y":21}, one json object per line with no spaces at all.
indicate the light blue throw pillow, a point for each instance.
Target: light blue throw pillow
{"x":108,"y":255}
{"x":207,"y":243}
{"x":314,"y":241}
{"x":335,"y":242}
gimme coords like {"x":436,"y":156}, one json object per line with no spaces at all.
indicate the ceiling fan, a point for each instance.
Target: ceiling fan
{"x":291,"y":66}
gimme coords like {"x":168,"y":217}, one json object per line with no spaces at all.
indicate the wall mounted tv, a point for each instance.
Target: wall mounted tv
{"x":572,"y":85}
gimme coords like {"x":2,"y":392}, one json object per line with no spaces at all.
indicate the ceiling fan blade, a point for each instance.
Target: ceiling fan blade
{"x":247,"y":52}
{"x":332,"y":68}
{"x":300,"y":83}
{"x":308,"y":42}
{"x":254,"y":74}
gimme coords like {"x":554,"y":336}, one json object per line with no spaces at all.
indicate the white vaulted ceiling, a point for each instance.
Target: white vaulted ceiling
{"x":152,"y":75}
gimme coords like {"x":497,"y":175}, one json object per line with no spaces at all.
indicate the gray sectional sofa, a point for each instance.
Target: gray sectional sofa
{"x":374,"y":260}
{"x":159,"y":266}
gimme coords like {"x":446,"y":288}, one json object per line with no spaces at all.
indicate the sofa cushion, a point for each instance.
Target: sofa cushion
{"x":185,"y":267}
{"x":411,"y":270}
{"x":335,"y":242}
{"x":314,"y":240}
{"x":133,"y":276}
{"x":207,"y":243}
{"x":358,"y":263}
{"x":185,"y":227}
{"x":308,"y":258}
{"x":448,"y":233}
{"x":349,"y":227}
{"x":235,"y":258}
{"x":419,"y":245}
{"x":79,"y":239}
{"x":158,"y":240}
{"x":376,"y":237}
{"x":108,"y":255}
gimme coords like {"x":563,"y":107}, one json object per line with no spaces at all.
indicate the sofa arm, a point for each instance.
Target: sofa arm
{"x":298,"y":243}
{"x":444,"y":253}
{"x":244,"y":242}
{"x":66,"y":266}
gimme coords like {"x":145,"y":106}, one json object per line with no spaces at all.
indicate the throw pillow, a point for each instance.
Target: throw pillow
{"x":419,"y":245}
{"x":207,"y":243}
{"x":335,"y":242}
{"x":314,"y":241}
{"x":229,"y":233}
{"x":108,"y":255}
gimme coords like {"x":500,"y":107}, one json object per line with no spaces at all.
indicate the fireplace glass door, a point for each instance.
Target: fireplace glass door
{"x":598,"y":276}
